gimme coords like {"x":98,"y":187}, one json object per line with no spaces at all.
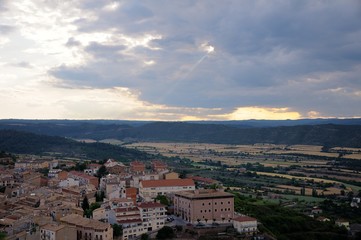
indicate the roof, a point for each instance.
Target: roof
{"x":94,"y":165}
{"x":167,"y":183}
{"x":53,"y":227}
{"x":82,"y":175}
{"x":74,"y":219}
{"x":130,"y":221}
{"x":137,"y":163}
{"x":204,"y":194}
{"x":203,"y":179}
{"x":131,"y":190}
{"x":244,"y":219}
{"x":150,"y":205}
{"x":128,"y":209}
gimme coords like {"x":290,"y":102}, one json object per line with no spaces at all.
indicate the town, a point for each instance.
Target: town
{"x":45,"y":198}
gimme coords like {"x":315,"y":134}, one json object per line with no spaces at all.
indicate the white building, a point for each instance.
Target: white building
{"x":69,"y":182}
{"x":245,"y":224}
{"x":150,"y":189}
{"x":153,"y":215}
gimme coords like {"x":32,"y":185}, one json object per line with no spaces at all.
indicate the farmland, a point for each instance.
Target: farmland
{"x":269,"y":167}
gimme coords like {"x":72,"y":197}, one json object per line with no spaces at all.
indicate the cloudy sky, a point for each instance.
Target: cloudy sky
{"x":180,"y":60}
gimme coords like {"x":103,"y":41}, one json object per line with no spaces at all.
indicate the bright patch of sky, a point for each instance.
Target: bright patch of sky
{"x":213,"y":60}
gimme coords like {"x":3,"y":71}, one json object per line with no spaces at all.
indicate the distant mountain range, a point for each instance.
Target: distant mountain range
{"x":17,"y":142}
{"x":326,"y":132}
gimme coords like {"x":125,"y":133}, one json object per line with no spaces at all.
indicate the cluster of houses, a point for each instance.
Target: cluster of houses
{"x":33,"y":206}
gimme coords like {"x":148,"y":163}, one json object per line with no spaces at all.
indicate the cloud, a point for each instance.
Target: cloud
{"x":5,"y":29}
{"x":304,"y":57}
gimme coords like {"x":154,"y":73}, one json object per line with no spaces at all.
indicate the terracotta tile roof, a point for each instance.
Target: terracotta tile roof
{"x":130,"y":221}
{"x":150,"y":205}
{"x":74,"y":219}
{"x":203,"y":179}
{"x":244,"y":219}
{"x":53,"y":227}
{"x":167,"y":183}
{"x":126,"y":209}
{"x":137,"y":163}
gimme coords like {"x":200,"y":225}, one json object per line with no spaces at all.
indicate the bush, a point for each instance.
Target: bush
{"x":165,"y":232}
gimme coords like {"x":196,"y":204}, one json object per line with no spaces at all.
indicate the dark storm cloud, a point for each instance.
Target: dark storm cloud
{"x":266,"y":52}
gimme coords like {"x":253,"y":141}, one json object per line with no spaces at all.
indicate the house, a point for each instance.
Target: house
{"x":116,"y":169}
{"x":137,"y":167}
{"x":159,"y":166}
{"x":323,"y":219}
{"x":92,"y":169}
{"x":171,"y":175}
{"x":203,"y":205}
{"x":342,"y":222}
{"x":83,"y":178}
{"x":57,"y":232}
{"x":88,"y":228}
{"x":203,"y":181}
{"x":150,"y":189}
{"x":245,"y":224}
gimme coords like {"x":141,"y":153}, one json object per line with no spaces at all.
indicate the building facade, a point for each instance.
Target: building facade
{"x":204,"y":205}
{"x":89,"y":229}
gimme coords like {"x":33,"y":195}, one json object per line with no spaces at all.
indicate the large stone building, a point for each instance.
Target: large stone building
{"x":204,"y":205}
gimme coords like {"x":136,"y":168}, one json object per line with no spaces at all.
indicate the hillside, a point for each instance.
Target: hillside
{"x":232,"y":132}
{"x":30,"y":143}
{"x":326,"y":135}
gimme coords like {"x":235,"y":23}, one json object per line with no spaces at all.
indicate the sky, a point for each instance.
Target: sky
{"x":180,"y":60}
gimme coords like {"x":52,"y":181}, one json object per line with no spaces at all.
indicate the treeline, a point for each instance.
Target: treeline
{"x":29,"y":143}
{"x":328,"y":135}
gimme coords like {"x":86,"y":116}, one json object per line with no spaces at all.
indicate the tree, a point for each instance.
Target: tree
{"x":117,"y":230}
{"x":303,"y":191}
{"x":2,"y":236}
{"x":85,"y":204}
{"x":165,"y":232}
{"x":144,"y":236}
{"x":163,"y":200}
{"x":102,"y":171}
{"x":314,"y":192}
{"x":99,"y":196}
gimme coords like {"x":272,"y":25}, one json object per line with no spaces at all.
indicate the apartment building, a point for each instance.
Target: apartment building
{"x":150,"y":189}
{"x":204,"y":205}
{"x":153,"y":215}
{"x":89,"y":229}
